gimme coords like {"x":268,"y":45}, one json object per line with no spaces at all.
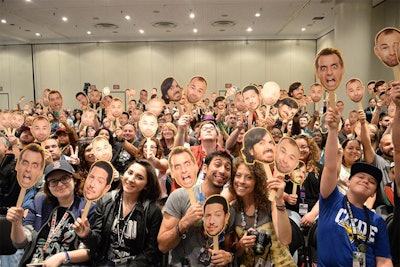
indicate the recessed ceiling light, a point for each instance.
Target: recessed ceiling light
{"x":257,"y":14}
{"x":3,"y":21}
{"x":89,"y":32}
{"x":195,"y":30}
{"x":64,"y":18}
{"x":38,"y":34}
{"x":141,"y":31}
{"x":191,"y":15}
{"x":249,"y":29}
{"x":127,"y":17}
{"x":28,"y":1}
{"x":303,"y":29}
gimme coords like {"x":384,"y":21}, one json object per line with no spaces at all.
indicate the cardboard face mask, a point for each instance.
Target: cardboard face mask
{"x":155,"y":106}
{"x":116,"y":107}
{"x":196,"y":90}
{"x":258,"y":145}
{"x":270,"y":93}
{"x":329,"y":68}
{"x":287,"y":155}
{"x":98,"y":180}
{"x":216,"y":215}
{"x":183,"y":166}
{"x":287,"y":108}
{"x":30,"y":166}
{"x":101,"y":148}
{"x":251,"y":97}
{"x":387,"y":46}
{"x":316,"y":93}
{"x":148,"y":124}
{"x":41,"y":128}
{"x":355,"y":90}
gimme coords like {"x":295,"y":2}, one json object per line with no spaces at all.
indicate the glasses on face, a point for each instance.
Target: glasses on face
{"x":64,"y":180}
{"x":207,"y":127}
{"x":276,"y":133}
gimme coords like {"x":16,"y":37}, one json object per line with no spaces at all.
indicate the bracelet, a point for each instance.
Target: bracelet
{"x":67,"y":258}
{"x":233,"y":256}
{"x":182,"y":235}
{"x":281,"y":207}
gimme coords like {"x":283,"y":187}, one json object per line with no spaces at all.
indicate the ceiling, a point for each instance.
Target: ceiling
{"x":161,"y":20}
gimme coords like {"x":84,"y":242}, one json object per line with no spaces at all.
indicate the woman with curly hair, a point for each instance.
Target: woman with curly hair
{"x":254,"y":213}
{"x":155,"y":155}
{"x":307,"y":192}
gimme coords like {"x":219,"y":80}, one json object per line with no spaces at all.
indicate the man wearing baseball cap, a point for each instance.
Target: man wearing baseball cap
{"x":349,"y":234}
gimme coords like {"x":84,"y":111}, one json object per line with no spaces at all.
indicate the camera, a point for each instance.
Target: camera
{"x":263,"y":240}
{"x":204,"y":257}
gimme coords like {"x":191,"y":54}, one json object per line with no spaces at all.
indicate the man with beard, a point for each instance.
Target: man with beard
{"x":181,"y":229}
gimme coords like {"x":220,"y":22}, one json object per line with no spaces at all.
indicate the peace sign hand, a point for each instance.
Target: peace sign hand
{"x":74,"y":160}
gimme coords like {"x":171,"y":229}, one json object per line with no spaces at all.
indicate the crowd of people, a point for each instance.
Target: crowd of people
{"x":154,"y":182}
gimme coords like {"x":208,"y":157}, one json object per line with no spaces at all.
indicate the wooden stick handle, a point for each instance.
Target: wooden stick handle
{"x":191,"y":196}
{"x":272,"y":193}
{"x":21,"y":197}
{"x":332,"y":100}
{"x":86,"y":209}
{"x":294,"y":189}
{"x":215,"y":242}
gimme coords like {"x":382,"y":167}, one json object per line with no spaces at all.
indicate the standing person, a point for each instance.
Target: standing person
{"x":254,"y":213}
{"x":181,"y":231}
{"x":45,"y":233}
{"x":349,"y":233}
{"x":127,"y":221}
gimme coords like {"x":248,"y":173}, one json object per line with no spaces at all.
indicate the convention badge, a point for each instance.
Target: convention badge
{"x":387,"y":49}
{"x":355,"y":91}
{"x":155,"y":106}
{"x":287,"y":108}
{"x":41,"y":128}
{"x":303,"y":209}
{"x":97,"y":183}
{"x":30,"y":166}
{"x":216,"y":216}
{"x":359,"y":259}
{"x":329,"y":68}
{"x":251,"y":97}
{"x":102,"y":149}
{"x":183,"y":168}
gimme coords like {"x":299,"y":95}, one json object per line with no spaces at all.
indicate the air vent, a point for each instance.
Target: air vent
{"x":107,"y":26}
{"x":164,"y":24}
{"x":223,"y":23}
{"x":318,"y":18}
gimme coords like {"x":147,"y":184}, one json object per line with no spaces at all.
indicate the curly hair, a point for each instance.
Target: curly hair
{"x":260,"y":192}
{"x":142,"y":145}
{"x":315,"y":152}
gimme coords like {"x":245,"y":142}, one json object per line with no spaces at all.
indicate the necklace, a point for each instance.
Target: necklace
{"x":121,"y":226}
{"x":243,"y":215}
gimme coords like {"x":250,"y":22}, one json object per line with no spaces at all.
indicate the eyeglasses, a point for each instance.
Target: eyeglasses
{"x":64,"y":180}
{"x":276,"y":133}
{"x":206,"y":128}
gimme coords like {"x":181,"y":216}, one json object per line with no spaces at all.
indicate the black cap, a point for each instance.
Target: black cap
{"x":59,"y":165}
{"x":367,"y":168}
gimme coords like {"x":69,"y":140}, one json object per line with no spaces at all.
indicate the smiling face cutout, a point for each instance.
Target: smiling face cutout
{"x":98,"y":180}
{"x":216,"y":215}
{"x":148,"y":124}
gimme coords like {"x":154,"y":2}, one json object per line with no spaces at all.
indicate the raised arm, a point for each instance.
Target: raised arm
{"x":329,"y":177}
{"x":369,"y":153}
{"x":183,"y":126}
{"x":396,"y":133}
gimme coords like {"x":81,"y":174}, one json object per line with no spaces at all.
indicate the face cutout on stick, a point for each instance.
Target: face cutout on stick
{"x":258,"y":145}
{"x":40,"y":128}
{"x":98,"y":180}
{"x":216,"y":215}
{"x":196,"y":89}
{"x":251,"y":97}
{"x":329,"y":68}
{"x":287,"y":155}
{"x":30,"y":165}
{"x":148,"y":124}
{"x":387,"y":46}
{"x":183,"y":166}
{"x":102,"y":149}
{"x":316,"y":92}
{"x":17,"y":119}
{"x":287,"y":108}
{"x":355,"y":90}
{"x":170,"y":90}
{"x":155,"y":106}
{"x":270,"y":93}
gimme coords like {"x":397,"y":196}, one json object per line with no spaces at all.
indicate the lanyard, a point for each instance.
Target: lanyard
{"x":244,"y":224}
{"x":120,"y":232}
{"x":360,"y":247}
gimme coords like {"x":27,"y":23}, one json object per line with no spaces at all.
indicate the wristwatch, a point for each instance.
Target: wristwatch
{"x":182,"y":235}
{"x":67,"y":258}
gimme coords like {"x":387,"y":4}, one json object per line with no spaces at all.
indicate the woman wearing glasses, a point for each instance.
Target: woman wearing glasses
{"x":46,"y":233}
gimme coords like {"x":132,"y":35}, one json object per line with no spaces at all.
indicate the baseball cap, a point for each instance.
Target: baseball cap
{"x":59,"y":165}
{"x":61,"y":130}
{"x":366,"y":168}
